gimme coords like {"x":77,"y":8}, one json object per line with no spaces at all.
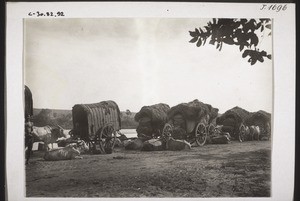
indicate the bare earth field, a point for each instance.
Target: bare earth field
{"x":229,"y":170}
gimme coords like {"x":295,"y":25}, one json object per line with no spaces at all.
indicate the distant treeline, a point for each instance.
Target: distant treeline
{"x":52,"y":117}
{"x":127,"y":120}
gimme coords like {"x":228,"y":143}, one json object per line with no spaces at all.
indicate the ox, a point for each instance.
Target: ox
{"x":255,"y":132}
{"x":67,"y":133}
{"x":71,"y":151}
{"x":66,"y":138}
{"x":174,"y":144}
{"x":177,"y":145}
{"x":47,"y":134}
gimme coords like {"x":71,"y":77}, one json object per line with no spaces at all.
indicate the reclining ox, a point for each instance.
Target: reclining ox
{"x":71,"y":151}
{"x":177,"y":145}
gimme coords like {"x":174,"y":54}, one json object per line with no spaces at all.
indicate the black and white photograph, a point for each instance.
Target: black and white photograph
{"x":148,"y":107}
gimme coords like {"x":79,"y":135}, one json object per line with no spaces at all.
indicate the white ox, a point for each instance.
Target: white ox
{"x":67,"y":134}
{"x":46,"y":134}
{"x":255,"y":132}
{"x":71,"y":151}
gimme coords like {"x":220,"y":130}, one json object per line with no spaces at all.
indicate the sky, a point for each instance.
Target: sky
{"x":138,"y":62}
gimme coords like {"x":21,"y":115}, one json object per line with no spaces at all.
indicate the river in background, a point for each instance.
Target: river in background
{"x":130,"y":133}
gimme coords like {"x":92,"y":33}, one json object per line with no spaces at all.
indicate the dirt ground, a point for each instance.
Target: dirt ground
{"x":229,"y":170}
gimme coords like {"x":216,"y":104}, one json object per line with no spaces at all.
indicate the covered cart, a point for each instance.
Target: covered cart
{"x":28,"y":107}
{"x":97,"y":124}
{"x":151,"y":120}
{"x":233,"y":122}
{"x":190,"y":121}
{"x":261,"y":119}
{"x":28,"y":112}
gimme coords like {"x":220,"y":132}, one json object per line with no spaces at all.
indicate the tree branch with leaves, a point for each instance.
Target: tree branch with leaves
{"x":239,"y":32}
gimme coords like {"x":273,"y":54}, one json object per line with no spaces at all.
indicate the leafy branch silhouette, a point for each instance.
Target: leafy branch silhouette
{"x":240,"y":32}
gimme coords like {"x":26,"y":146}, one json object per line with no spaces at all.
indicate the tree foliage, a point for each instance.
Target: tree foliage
{"x":239,"y":32}
{"x":128,"y":112}
{"x":44,"y":118}
{"x":127,"y":120}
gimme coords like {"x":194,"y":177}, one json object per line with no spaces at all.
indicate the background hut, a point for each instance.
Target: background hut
{"x":232,"y":120}
{"x":28,"y":102}
{"x":151,"y":119}
{"x":263,"y":120}
{"x":186,"y":116}
{"x":89,"y":119}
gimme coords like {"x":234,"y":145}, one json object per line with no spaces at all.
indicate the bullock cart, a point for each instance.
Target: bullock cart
{"x":28,"y":106}
{"x":233,"y":122}
{"x":261,"y":119}
{"x":151,"y":120}
{"x":28,"y":112}
{"x":98,"y":124}
{"x":191,"y":122}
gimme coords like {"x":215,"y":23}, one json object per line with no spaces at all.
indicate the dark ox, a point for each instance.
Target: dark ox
{"x":175,"y":144}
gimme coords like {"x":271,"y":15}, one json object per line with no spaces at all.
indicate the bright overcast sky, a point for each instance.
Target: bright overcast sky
{"x":138,"y":62}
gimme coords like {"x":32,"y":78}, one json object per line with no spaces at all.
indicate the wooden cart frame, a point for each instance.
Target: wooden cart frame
{"x":200,"y":133}
{"x":98,"y":124}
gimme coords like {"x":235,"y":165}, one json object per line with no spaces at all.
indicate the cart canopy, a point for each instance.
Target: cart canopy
{"x":238,"y":114}
{"x":156,"y":113}
{"x":152,"y":119}
{"x":28,"y":102}
{"x":193,"y":112}
{"x":261,"y":119}
{"x":89,"y":119}
{"x":232,"y":120}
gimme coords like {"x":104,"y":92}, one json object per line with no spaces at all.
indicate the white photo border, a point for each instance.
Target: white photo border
{"x":284,"y":45}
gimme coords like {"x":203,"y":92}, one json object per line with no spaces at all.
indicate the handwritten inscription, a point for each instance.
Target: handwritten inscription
{"x":46,"y":14}
{"x":274,"y":7}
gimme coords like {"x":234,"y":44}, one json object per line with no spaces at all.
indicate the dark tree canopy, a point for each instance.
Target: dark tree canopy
{"x":128,"y":112}
{"x":44,"y":118}
{"x":240,"y":32}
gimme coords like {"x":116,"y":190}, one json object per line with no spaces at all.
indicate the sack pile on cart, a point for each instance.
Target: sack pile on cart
{"x":261,"y":119}
{"x":233,"y":122}
{"x":184,"y":117}
{"x":151,"y":120}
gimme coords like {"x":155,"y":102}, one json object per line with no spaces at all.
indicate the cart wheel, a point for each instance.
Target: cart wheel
{"x":211,"y":130}
{"x":167,"y":131}
{"x":107,"y":139}
{"x":242,"y":133}
{"x":201,"y":134}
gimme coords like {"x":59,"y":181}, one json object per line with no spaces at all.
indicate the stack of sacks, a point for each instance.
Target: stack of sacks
{"x":151,"y":120}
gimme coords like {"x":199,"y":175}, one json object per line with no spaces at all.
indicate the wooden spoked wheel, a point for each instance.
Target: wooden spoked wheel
{"x":242,"y":133}
{"x":211,"y":129}
{"x":107,"y":139}
{"x":200,"y":134}
{"x":167,"y":131}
